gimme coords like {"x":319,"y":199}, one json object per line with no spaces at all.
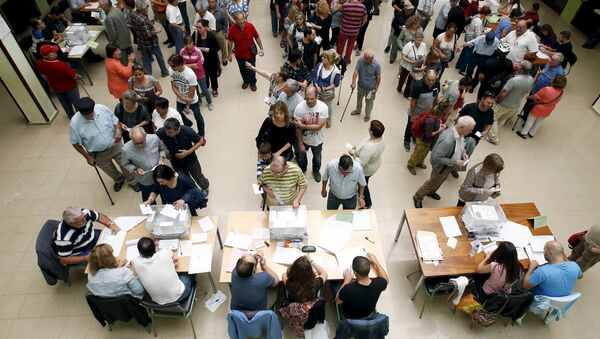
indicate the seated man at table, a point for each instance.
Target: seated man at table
{"x":75,"y":235}
{"x":250,"y":289}
{"x":359,"y":297}
{"x":156,"y":270}
{"x":554,"y":279}
{"x":283,"y":182}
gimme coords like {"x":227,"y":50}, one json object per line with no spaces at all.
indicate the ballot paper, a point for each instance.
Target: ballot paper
{"x":489,"y":248}
{"x":94,"y":34}
{"x":335,"y":235}
{"x":169,"y":244}
{"x":166,"y":223}
{"x":199,"y":237}
{"x":257,"y":189}
{"x":114,"y":240}
{"x":348,"y":146}
{"x":200,"y":258}
{"x":452,"y":242}
{"x":261,"y":233}
{"x":185,"y":248}
{"x":484,"y":212}
{"x":127,"y":223}
{"x":92,"y":5}
{"x":344,"y":217}
{"x":216,"y":300}
{"x":236,"y":253}
{"x":361,"y":221}
{"x":450,"y":226}
{"x":286,"y":256}
{"x":238,"y":240}
{"x":132,"y":250}
{"x":77,"y":50}
{"x":346,"y":256}
{"x":92,"y":44}
{"x":537,"y":256}
{"x":478,"y":134}
{"x":428,"y":246}
{"x":206,"y":224}
{"x":537,"y":242}
{"x":521,"y":254}
{"x":517,"y":234}
{"x":169,"y":211}
{"x":152,"y":169}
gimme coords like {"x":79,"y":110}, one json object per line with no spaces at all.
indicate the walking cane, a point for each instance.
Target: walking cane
{"x":347,"y":103}
{"x":103,"y":184}
{"x":340,"y":94}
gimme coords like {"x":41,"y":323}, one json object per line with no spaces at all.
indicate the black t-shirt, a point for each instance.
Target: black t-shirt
{"x":359,"y":301}
{"x":186,"y":138}
{"x":277,"y":137}
{"x":456,"y":15}
{"x":310,"y":50}
{"x":482,"y":119}
{"x":131,"y":119}
{"x":495,"y":66}
{"x":566,"y":50}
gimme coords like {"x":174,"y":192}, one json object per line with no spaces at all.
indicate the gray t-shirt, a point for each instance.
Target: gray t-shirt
{"x":367,"y":73}
{"x":517,"y":87}
{"x":250,"y":294}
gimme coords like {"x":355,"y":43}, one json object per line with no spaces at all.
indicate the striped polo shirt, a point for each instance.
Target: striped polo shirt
{"x":73,"y":241}
{"x":284,"y":187}
{"x":353,"y":14}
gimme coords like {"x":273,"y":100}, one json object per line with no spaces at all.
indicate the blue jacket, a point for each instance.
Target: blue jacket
{"x":47,"y":257}
{"x":263,"y":322}
{"x":375,"y":327}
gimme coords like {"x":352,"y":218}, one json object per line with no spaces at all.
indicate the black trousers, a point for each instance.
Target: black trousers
{"x":361,"y":35}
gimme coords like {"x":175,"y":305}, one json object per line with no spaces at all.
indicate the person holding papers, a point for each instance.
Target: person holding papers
{"x":109,"y":278}
{"x":176,"y":188}
{"x":347,"y":179}
{"x":482,"y":180}
{"x":75,"y":235}
{"x":498,"y":271}
{"x":587,"y":252}
{"x":250,"y":289}
{"x":283,"y":182}
{"x":156,"y":270}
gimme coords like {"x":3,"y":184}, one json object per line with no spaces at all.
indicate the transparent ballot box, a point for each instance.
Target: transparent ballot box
{"x":168,"y":223}
{"x":483,"y":220}
{"x":288,"y":223}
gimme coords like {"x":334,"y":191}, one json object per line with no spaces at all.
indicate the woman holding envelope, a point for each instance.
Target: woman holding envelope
{"x":482,"y":180}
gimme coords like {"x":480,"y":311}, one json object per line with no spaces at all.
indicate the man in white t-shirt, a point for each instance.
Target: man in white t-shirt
{"x":185,"y":86}
{"x":156,"y":270}
{"x":176,"y":27}
{"x":310,"y":116}
{"x":521,"y":41}
{"x":162,"y":112}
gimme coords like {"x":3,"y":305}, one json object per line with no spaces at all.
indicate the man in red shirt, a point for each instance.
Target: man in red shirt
{"x":532,"y":16}
{"x":62,"y":79}
{"x":354,"y":15}
{"x":244,"y":37}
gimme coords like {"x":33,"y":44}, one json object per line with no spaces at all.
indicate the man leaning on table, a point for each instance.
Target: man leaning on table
{"x":75,"y":235}
{"x":283,"y":182}
{"x":250,"y":290}
{"x":346,"y":180}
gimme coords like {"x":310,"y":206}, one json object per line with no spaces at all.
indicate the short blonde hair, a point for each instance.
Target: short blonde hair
{"x":323,"y":8}
{"x":331,"y":55}
{"x":292,"y":13}
{"x":102,"y":257}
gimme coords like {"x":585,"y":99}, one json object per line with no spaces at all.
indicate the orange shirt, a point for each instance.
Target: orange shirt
{"x":117,"y":76}
{"x":546,"y":100}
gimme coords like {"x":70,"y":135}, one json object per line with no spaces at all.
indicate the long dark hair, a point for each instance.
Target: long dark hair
{"x":506,"y":255}
{"x":301,"y":284}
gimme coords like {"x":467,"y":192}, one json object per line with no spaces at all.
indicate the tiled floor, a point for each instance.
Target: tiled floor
{"x":40,"y":174}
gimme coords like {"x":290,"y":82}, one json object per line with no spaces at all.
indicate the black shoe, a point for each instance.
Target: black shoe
{"x":117,"y":186}
{"x":135,"y":187}
{"x":224,"y":62}
{"x":167,"y":42}
{"x":434,"y":196}
{"x":317,"y":176}
{"x":171,"y":45}
{"x":521,"y":135}
{"x":407,"y":146}
{"x":418,"y":204}
{"x":454,"y":174}
{"x":531,"y":136}
{"x":387,"y":49}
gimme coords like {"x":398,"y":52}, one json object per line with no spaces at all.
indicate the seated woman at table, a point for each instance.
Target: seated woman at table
{"x":482,"y":180}
{"x":498,"y":271}
{"x":548,"y":38}
{"x":109,"y":278}
{"x":176,"y":188}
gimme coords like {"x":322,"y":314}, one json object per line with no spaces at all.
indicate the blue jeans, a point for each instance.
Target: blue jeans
{"x":316,"y":160}
{"x":187,"y":280}
{"x":274,"y":21}
{"x":177,"y":35}
{"x":186,"y":20}
{"x":147,"y":60}
{"x":464,"y":59}
{"x":204,"y":89}
{"x":197,"y":115}
{"x":248,"y":76}
{"x":67,"y":101}
{"x":333,"y":202}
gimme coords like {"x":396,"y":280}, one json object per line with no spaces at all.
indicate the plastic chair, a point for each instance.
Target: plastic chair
{"x":554,"y":307}
{"x":172,"y":310}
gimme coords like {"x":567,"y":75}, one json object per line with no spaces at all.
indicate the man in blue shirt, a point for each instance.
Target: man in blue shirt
{"x":96,"y":135}
{"x":554,"y":279}
{"x":552,"y":69}
{"x":505,"y":25}
{"x":249,"y":289}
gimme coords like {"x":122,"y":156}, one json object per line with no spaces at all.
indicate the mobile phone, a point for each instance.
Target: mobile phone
{"x":309,"y":249}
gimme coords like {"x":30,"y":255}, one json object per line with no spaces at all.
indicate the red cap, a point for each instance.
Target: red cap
{"x":47,"y":49}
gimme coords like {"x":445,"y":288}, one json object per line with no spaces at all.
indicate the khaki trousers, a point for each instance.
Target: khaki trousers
{"x":222,"y":45}
{"x":502,"y":115}
{"x":433,"y":183}
{"x":583,"y":255}
{"x":104,"y":161}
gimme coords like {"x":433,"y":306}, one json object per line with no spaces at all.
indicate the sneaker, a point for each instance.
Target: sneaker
{"x":387,"y":49}
{"x":407,"y":146}
{"x":117,"y":186}
{"x":355,"y":112}
{"x":366,"y":119}
{"x":423,"y":166}
{"x":171,"y":45}
{"x":317,"y":176}
{"x":434,"y":196}
{"x":418,"y":204}
{"x":211,"y":107}
{"x":411,"y":169}
{"x":521,"y":135}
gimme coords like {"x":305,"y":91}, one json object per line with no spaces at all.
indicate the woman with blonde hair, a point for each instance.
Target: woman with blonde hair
{"x":326,"y":77}
{"x":426,"y":129}
{"x":411,"y":28}
{"x":108,"y":278}
{"x":321,"y":21}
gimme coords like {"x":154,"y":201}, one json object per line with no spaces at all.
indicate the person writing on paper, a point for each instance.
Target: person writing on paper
{"x":283,"y":182}
{"x":75,"y":235}
{"x":176,"y":188}
{"x":346,"y":181}
{"x":359,"y":297}
{"x":554,"y":279}
{"x":482,"y":180}
{"x":498,"y":271}
{"x":250,"y":289}
{"x":156,"y":270}
{"x":587,"y":252}
{"x":109,"y":278}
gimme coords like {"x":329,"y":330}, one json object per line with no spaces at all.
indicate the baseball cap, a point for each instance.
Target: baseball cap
{"x":85,"y":105}
{"x":490,"y":37}
{"x":47,"y":49}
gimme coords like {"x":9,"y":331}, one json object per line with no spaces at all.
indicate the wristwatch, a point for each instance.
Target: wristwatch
{"x":111,"y":223}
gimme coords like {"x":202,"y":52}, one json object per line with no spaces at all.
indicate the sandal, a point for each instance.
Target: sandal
{"x":282,"y":44}
{"x":328,"y":125}
{"x":215,"y":93}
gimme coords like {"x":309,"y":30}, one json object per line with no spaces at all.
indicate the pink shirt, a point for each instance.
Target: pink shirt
{"x":497,"y":281}
{"x":195,"y":57}
{"x":547,"y":98}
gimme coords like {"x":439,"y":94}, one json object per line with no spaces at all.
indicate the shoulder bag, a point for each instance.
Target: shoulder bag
{"x":252,"y":47}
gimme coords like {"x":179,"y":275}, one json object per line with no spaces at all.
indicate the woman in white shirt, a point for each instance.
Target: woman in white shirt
{"x":108,"y":278}
{"x":411,"y":52}
{"x":368,"y":154}
{"x":444,"y":45}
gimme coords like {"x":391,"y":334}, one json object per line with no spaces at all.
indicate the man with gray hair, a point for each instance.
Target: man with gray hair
{"x":423,"y":96}
{"x":290,"y":96}
{"x":368,"y":72}
{"x":140,"y":156}
{"x":448,"y":153}
{"x":283,"y":182}
{"x":508,"y":101}
{"x":75,"y":235}
{"x":147,"y":40}
{"x":547,"y":74}
{"x":117,"y":31}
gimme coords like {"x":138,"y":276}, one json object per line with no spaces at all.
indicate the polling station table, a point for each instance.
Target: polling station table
{"x":77,"y":52}
{"x":245,"y":222}
{"x":457,"y":261}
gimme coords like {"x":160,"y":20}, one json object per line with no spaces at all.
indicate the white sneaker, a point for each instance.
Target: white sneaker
{"x":211,"y":107}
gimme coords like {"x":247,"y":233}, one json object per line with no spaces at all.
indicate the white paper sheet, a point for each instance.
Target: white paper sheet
{"x":206,"y":224}
{"x":185,"y":248}
{"x":515,"y":233}
{"x":537,"y":256}
{"x":345,"y":257}
{"x":216,"y":300}
{"x":169,"y":244}
{"x":485,"y":212}
{"x":489,"y":248}
{"x":115,"y":241}
{"x":127,"y":223}
{"x":132,"y":242}
{"x":521,"y":254}
{"x":450,"y":226}
{"x":169,"y":211}
{"x":452,"y":242}
{"x":132,"y":252}
{"x":537,"y":242}
{"x":77,"y":50}
{"x":361,"y":221}
{"x":286,"y":256}
{"x":146,"y":209}
{"x":236,"y":253}
{"x":348,"y":146}
{"x":257,"y":189}
{"x":261,"y":233}
{"x":199,"y":237}
{"x":200,"y":258}
{"x":238,"y":240}
{"x":335,"y":235}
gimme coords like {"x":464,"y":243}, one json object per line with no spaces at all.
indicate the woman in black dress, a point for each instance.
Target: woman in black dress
{"x":208,"y":44}
{"x":321,"y":21}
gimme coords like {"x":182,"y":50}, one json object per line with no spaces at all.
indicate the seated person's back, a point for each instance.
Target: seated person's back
{"x":249,"y":288}
{"x":107,"y":278}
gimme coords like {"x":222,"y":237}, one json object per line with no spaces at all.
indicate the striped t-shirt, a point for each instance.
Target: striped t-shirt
{"x":353,"y":14}
{"x":73,"y":241}
{"x":284,"y":187}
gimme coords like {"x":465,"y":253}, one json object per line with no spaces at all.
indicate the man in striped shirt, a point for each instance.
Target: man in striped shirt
{"x":283,"y":182}
{"x":75,"y":235}
{"x":354,"y":15}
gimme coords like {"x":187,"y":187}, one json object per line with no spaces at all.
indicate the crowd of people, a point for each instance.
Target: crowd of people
{"x":154,"y":144}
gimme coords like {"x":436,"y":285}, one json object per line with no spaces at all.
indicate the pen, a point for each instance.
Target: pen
{"x":267,"y":243}
{"x":371,"y":241}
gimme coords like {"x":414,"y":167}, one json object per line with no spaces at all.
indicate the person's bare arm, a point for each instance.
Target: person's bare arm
{"x":484,"y":266}
{"x":413,"y":108}
{"x":88,"y":157}
{"x":74,"y":259}
{"x":313,"y":127}
{"x":348,"y":276}
{"x":320,"y":271}
{"x":299,"y":197}
{"x":266,"y":268}
{"x":354,"y":77}
{"x":526,"y":284}
{"x":501,"y":96}
{"x":378,"y":268}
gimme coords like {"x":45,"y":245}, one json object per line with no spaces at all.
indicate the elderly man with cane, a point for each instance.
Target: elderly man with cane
{"x":96,"y":135}
{"x":368,"y":72}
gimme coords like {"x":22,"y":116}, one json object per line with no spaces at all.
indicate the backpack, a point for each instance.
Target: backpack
{"x":576,"y":238}
{"x":418,"y":126}
{"x":498,"y":81}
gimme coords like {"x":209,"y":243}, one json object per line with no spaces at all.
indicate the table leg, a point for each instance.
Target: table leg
{"x":417,"y":287}
{"x":219,"y":237}
{"x":84,"y":70}
{"x":400,"y":226}
{"x":212,"y":282}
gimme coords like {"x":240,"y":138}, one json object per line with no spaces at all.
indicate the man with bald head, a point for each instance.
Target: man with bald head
{"x":423,"y":96}
{"x":140,"y":155}
{"x":554,"y":279}
{"x":283,"y":182}
{"x":521,"y":41}
{"x":250,"y":289}
{"x":368,"y":72}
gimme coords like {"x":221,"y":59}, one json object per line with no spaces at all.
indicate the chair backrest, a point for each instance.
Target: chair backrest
{"x":262,"y":323}
{"x":376,"y":326}
{"x":554,"y":307}
{"x":47,"y":257}
{"x":173,"y":309}
{"x":559,"y":302}
{"x":122,"y":308}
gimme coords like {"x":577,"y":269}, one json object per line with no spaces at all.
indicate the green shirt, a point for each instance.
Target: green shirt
{"x":284,"y":187}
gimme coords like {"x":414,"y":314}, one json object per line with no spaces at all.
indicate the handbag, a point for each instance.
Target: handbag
{"x":468,"y":304}
{"x":420,"y":74}
{"x":327,"y":95}
{"x":252,"y":47}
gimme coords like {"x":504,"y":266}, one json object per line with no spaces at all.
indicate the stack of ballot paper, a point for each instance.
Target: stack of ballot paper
{"x":535,"y":249}
{"x":238,"y":240}
{"x":346,"y":257}
{"x":428,"y":246}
